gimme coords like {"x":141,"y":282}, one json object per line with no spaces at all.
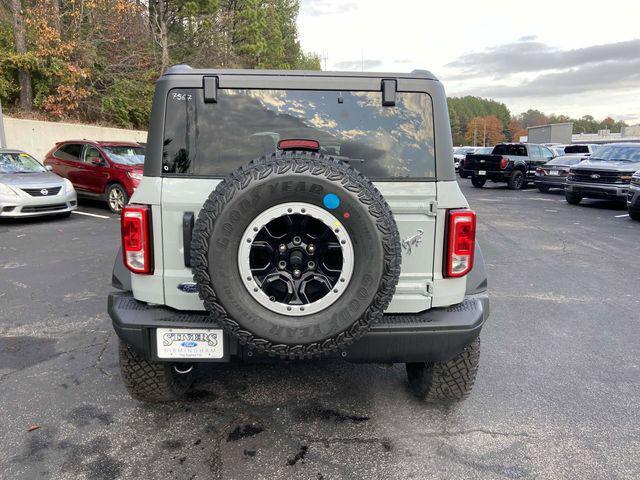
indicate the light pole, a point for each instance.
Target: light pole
{"x":484,"y":133}
{"x":3,"y":139}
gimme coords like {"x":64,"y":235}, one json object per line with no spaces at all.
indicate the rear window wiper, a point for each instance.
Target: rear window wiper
{"x":348,"y":159}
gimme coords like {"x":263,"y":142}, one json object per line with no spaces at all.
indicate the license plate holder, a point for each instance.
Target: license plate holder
{"x":482,"y":172}
{"x":554,"y":172}
{"x":190,"y":344}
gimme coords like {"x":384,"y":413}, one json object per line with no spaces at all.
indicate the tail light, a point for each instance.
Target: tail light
{"x":461,"y":239}
{"x":137,"y":247}
{"x":299,"y":144}
{"x":540,"y":170}
{"x":504,"y":162}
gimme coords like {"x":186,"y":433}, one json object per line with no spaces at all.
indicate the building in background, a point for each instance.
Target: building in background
{"x":563,"y":133}
{"x":552,"y":133}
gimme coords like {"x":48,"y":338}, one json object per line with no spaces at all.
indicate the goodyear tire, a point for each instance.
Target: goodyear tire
{"x":296,"y":254}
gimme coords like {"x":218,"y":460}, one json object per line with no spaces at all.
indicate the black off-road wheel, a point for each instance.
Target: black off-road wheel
{"x":516,"y":180}
{"x":572,"y":198}
{"x":296,"y":254}
{"x":462,"y":173}
{"x":446,"y":381}
{"x":634,"y":213}
{"x":544,"y":188}
{"x":478,"y":182}
{"x":152,"y":382}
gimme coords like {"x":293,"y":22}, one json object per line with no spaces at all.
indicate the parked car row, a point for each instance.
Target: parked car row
{"x":28,"y":189}
{"x":108,"y":171}
{"x":609,"y":171}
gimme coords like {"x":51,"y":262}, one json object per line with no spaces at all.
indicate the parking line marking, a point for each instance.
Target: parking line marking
{"x":620,"y":216}
{"x":90,"y":214}
{"x":542,"y":199}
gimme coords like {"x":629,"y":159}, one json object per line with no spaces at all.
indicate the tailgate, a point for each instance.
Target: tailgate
{"x":413,"y":204}
{"x":483,"y":162}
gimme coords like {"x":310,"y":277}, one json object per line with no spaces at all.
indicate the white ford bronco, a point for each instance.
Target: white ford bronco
{"x":297,"y":215}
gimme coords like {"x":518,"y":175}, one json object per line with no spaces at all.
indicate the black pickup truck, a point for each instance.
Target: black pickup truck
{"x":511,"y":163}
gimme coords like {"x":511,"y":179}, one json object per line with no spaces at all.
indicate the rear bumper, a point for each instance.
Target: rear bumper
{"x":438,"y":334}
{"x":549,"y":181}
{"x":493,"y":175}
{"x":599,"y":190}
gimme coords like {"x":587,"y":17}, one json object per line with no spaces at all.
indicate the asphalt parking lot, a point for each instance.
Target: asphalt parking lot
{"x":557,"y":396}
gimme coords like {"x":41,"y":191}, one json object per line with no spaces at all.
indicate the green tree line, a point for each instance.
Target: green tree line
{"x":483,"y":119}
{"x":96,"y":60}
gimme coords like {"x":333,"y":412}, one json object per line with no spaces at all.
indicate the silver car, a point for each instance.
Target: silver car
{"x":28,"y":189}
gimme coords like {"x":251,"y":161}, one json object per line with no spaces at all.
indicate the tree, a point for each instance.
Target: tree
{"x":463,"y":109}
{"x":484,"y":131}
{"x":533,"y":118}
{"x":20,"y":40}
{"x":516,"y":130}
{"x":159,"y":13}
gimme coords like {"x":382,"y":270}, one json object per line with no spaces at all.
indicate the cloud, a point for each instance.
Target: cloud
{"x":610,"y":75}
{"x":527,"y":38}
{"x":528,"y":55}
{"x":358,"y":64}
{"x":316,"y":8}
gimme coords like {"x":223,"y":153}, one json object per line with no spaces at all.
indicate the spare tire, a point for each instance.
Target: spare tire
{"x":296,"y":254}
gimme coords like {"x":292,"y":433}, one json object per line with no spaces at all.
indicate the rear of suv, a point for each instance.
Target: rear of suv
{"x":297,"y":215}
{"x":108,"y":171}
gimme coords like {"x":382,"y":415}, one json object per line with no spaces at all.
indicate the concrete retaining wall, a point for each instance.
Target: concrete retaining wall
{"x":37,"y":138}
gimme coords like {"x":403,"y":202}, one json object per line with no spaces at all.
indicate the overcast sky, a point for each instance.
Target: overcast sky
{"x":559,"y":56}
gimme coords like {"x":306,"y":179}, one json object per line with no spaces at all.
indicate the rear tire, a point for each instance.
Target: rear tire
{"x":151,"y":382}
{"x":516,"y":180}
{"x":463,"y":174}
{"x":634,"y":214}
{"x":478,"y":182}
{"x":572,"y":198}
{"x":544,"y":188}
{"x":446,"y":382}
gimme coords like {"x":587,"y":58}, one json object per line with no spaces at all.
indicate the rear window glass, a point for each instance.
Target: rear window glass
{"x":70,"y":151}
{"x":213,"y":139}
{"x":514,"y":150}
{"x":566,"y":160}
{"x":576,"y":149}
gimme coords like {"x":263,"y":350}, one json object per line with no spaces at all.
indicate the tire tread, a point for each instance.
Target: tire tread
{"x":316,"y":164}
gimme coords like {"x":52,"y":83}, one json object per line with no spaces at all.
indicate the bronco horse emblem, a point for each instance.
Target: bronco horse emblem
{"x":413,"y":241}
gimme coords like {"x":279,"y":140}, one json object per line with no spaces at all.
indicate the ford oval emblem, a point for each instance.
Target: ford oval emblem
{"x":595,"y":176}
{"x":188,"y":287}
{"x":188,"y":344}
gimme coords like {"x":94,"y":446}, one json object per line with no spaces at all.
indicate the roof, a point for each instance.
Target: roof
{"x":102,"y":143}
{"x":11,"y":150}
{"x":187,"y":70}
{"x":621,"y":144}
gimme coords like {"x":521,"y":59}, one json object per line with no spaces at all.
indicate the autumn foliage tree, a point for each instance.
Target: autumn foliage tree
{"x":97,"y":60}
{"x":484,"y":131}
{"x":516,"y":130}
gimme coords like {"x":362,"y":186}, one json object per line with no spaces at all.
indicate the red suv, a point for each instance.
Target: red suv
{"x":106,"y":170}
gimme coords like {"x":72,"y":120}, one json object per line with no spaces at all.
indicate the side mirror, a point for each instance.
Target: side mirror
{"x":49,"y":168}
{"x":97,"y":161}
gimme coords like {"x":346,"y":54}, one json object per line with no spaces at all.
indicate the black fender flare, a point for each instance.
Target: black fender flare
{"x":477,"y":277}
{"x":121,"y":276}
